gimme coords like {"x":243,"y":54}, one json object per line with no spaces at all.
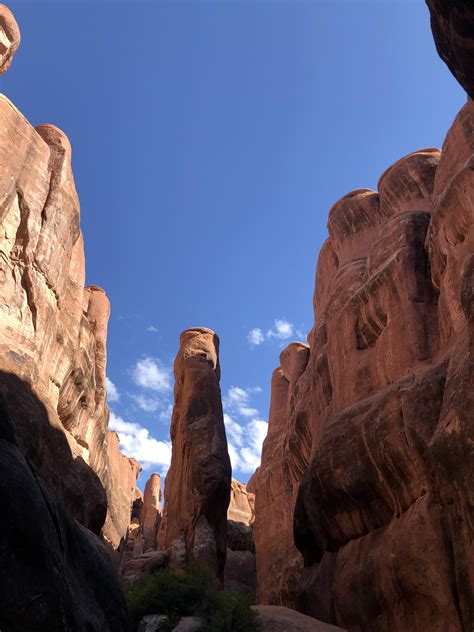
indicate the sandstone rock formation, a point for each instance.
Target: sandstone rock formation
{"x":380,"y":426}
{"x":9,"y":38}
{"x":452,"y":23}
{"x":285,"y":455}
{"x":122,"y":474}
{"x":151,"y":511}
{"x":56,"y":575}
{"x":383,"y":516}
{"x":197,"y":488}
{"x":242,"y":503}
{"x":52,"y":377}
{"x":240,"y":567}
{"x":53,"y":329}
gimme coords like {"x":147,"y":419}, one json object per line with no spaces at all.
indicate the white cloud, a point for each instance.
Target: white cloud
{"x":237,"y":400}
{"x":135,"y":441}
{"x":248,"y":412}
{"x":255,"y":337}
{"x":282,"y":329}
{"x":148,"y":373}
{"x":148,"y":404}
{"x":112,"y":391}
{"x":152,"y":328}
{"x":244,"y":436}
{"x":245,"y":443}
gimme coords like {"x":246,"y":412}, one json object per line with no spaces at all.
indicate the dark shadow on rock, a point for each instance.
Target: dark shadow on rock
{"x":56,"y":576}
{"x":72,"y":480}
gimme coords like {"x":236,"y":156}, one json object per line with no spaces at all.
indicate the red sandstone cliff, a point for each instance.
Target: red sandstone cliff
{"x":58,"y":466}
{"x":381,"y":418}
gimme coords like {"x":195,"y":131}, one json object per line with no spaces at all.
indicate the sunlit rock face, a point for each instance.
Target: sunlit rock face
{"x":9,"y":38}
{"x":56,"y":488}
{"x":53,"y":329}
{"x":151,"y":511}
{"x":240,"y":571}
{"x":383,"y":516}
{"x":242,"y":503}
{"x":284,"y":456}
{"x":197,"y":488}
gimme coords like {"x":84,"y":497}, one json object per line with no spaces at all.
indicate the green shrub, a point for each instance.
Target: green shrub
{"x":191,"y":594}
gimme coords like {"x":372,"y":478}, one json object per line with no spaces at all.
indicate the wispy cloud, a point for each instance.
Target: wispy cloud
{"x":113,"y":394}
{"x":245,"y":443}
{"x":151,"y":374}
{"x":237,"y":400}
{"x":136,"y":442}
{"x":148,"y":404}
{"x":255,"y":337}
{"x":281,"y":331}
{"x":152,"y":328}
{"x":244,"y":428}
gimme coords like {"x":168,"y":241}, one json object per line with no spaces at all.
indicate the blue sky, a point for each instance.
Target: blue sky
{"x":209,"y":141}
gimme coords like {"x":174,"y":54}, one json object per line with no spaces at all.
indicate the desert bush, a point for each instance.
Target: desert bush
{"x":191,"y":594}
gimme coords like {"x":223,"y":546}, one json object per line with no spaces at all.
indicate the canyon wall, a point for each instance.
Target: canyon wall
{"x":374,"y":447}
{"x":60,"y":464}
{"x":285,"y":455}
{"x":53,"y":329}
{"x":197,"y":487}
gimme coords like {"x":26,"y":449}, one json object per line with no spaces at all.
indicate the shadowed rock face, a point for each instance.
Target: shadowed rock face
{"x":383,"y":516}
{"x":284,"y":456}
{"x":197,"y":488}
{"x":452,"y":23}
{"x":56,"y":575}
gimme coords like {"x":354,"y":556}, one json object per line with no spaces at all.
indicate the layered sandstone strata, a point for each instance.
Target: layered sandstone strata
{"x":197,"y":488}
{"x":285,"y":454}
{"x":53,"y":328}
{"x":383,"y":517}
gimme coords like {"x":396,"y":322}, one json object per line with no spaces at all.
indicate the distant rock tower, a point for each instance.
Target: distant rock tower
{"x":197,"y":489}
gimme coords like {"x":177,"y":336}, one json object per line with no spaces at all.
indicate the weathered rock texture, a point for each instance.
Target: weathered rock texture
{"x":452,"y":23}
{"x":52,"y":337}
{"x":53,"y":329}
{"x":242,"y":503}
{"x":197,"y":488}
{"x":384,"y":516}
{"x":9,"y":38}
{"x":284,"y":457}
